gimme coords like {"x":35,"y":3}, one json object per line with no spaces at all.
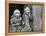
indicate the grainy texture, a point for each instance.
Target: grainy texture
{"x":32,"y":3}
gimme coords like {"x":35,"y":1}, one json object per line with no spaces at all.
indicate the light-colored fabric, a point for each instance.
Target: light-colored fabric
{"x":26,"y":22}
{"x":37,"y":17}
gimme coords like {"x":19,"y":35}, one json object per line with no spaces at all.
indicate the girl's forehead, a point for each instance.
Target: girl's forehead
{"x":26,"y":8}
{"x":16,"y":11}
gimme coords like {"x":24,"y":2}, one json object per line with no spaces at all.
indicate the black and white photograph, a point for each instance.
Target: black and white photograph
{"x":25,"y":18}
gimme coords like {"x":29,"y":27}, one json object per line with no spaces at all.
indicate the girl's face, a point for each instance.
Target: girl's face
{"x":27,"y":10}
{"x":17,"y":12}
